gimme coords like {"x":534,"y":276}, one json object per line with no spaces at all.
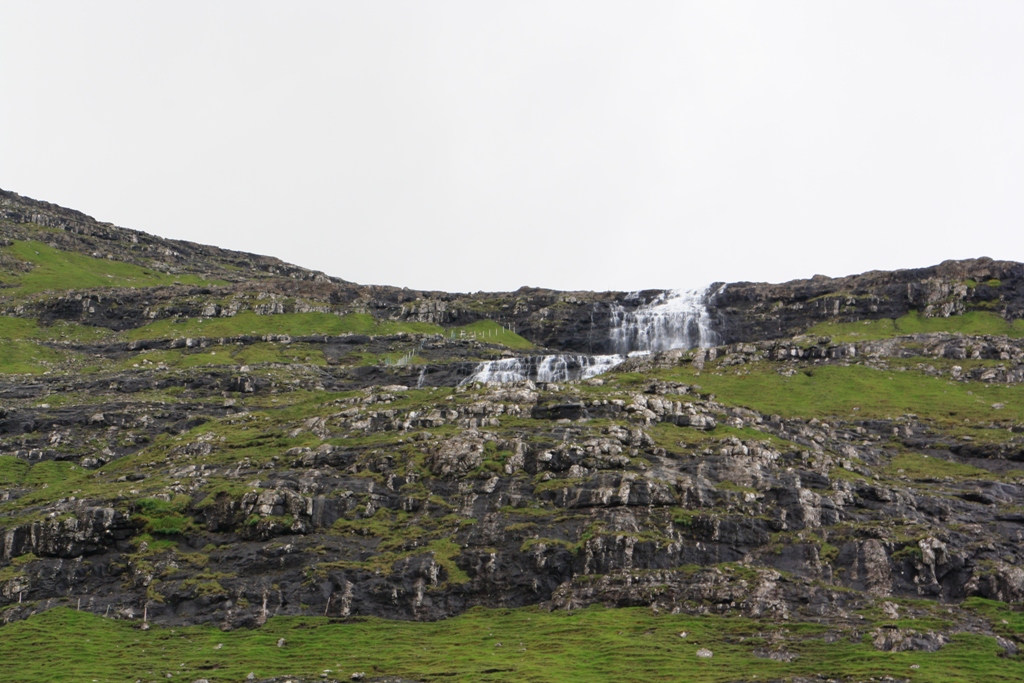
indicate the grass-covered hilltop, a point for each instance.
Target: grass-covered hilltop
{"x":216,"y":465}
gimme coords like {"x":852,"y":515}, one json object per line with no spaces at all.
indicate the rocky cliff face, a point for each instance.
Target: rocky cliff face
{"x":288,"y":467}
{"x":749,"y":311}
{"x":570,"y":321}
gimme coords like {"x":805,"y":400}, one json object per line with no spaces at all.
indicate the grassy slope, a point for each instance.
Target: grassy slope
{"x":973,"y":322}
{"x":29,"y":329}
{"x":252,"y":354}
{"x":917,"y":466}
{"x":857,"y":392}
{"x":296,"y":324}
{"x":62,"y":270}
{"x":20,"y":357}
{"x":20,"y":351}
{"x":56,"y":270}
{"x":491,"y":332}
{"x":299,"y":324}
{"x":595,"y":644}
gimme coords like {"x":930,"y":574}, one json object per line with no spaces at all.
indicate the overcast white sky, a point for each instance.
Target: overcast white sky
{"x":483,"y":145}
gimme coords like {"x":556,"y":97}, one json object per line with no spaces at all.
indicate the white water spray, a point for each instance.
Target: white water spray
{"x":553,"y":368}
{"x":674,"y":320}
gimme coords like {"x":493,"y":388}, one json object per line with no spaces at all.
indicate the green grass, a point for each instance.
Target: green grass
{"x":672,"y":438}
{"x":857,"y":392}
{"x":917,"y":466}
{"x":595,"y":644}
{"x":21,"y":352}
{"x":295,"y":324}
{"x":12,"y":470}
{"x":972,"y":283}
{"x":22,"y":329}
{"x":50,"y":472}
{"x":163,"y":517}
{"x":250,"y":354}
{"x":1007,"y":620}
{"x":972,"y":323}
{"x":63,"y":270}
{"x":299,"y":324}
{"x":24,"y":357}
{"x":50,"y":480}
{"x":18,"y":328}
{"x":47,"y":480}
{"x":17,"y":472}
{"x":490,"y":332}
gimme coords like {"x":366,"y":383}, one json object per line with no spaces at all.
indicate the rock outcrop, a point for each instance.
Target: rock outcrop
{"x":224,"y":478}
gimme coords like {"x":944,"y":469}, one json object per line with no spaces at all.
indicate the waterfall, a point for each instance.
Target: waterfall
{"x":676,"y":319}
{"x":553,"y":368}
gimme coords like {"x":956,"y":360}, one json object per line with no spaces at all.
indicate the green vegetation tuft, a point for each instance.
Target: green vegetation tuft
{"x":162,"y":517}
{"x":17,"y":472}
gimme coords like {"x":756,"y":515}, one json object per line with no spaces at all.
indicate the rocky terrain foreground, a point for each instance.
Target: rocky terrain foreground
{"x":818,"y":478}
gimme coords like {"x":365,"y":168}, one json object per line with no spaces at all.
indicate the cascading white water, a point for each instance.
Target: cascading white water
{"x":553,"y":368}
{"x":675,"y":320}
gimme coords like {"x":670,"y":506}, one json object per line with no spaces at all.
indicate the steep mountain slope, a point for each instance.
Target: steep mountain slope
{"x":190,"y":435}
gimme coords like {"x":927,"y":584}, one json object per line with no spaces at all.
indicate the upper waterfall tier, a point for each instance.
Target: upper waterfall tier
{"x":553,"y":368}
{"x":675,"y":320}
